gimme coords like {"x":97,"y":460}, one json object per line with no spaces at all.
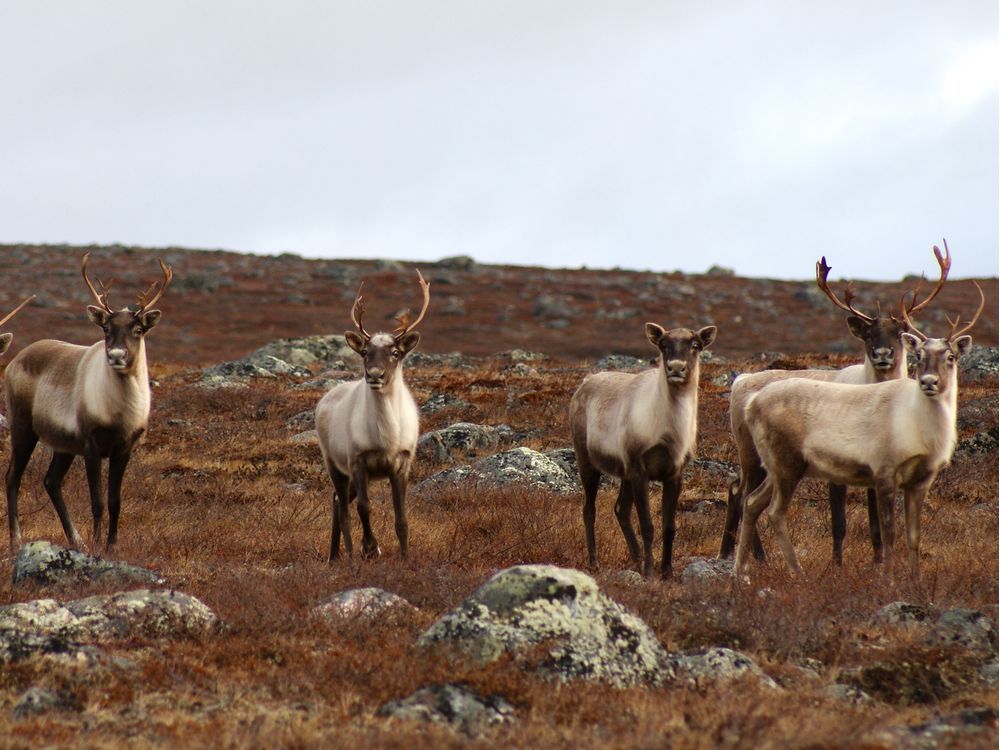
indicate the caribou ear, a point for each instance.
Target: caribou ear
{"x":408,"y":341}
{"x":707,"y":336}
{"x":654,"y":333}
{"x":98,"y":315}
{"x":910,"y":342}
{"x":355,"y":340}
{"x":5,"y":339}
{"x":149,"y":319}
{"x":962,"y":345}
{"x":857,"y":326}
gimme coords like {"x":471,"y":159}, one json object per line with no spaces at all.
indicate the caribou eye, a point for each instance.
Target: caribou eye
{"x":137,"y":331}
{"x":395,"y":354}
{"x":696,"y":346}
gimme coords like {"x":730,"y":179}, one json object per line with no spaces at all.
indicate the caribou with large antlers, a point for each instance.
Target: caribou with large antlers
{"x":368,"y":428}
{"x":884,"y":360}
{"x":897,"y":434}
{"x":90,"y":401}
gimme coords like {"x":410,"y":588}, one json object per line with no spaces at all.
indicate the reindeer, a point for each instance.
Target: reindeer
{"x":7,"y":338}
{"x":368,"y":428}
{"x":884,"y":360}
{"x":899,"y":433}
{"x":639,"y":427}
{"x":90,"y":401}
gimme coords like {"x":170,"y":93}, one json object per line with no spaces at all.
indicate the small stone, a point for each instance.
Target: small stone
{"x":718,"y":665}
{"x":705,"y":569}
{"x":46,"y":563}
{"x":362,"y":603}
{"x":457,"y":706}
{"x":36,"y":701}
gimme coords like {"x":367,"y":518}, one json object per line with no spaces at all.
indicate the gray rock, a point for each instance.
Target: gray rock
{"x":285,"y":357}
{"x":847,"y":693}
{"x":586,"y":634}
{"x":457,"y":706}
{"x":902,"y":614}
{"x":521,"y":355}
{"x":453,"y":360}
{"x":304,"y":420}
{"x":515,"y":466}
{"x":440,"y":401}
{"x":458,"y":263}
{"x":621,"y":362}
{"x":307,"y":437}
{"x":521,"y":370}
{"x":966,"y":628}
{"x":980,"y":363}
{"x":989,"y":673}
{"x":982,"y":442}
{"x":46,"y":626}
{"x":465,"y":439}
{"x":554,"y":306}
{"x":366,"y":603}
{"x":962,"y":729}
{"x":720,"y":271}
{"x":705,"y":569}
{"x":36,"y":701}
{"x":566,"y":459}
{"x":718,"y":665}
{"x":47,"y":563}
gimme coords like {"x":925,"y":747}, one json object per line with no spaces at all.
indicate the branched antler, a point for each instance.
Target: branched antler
{"x":822,"y":272}
{"x":358,"y":311}
{"x":404,"y":325}
{"x":102,"y":296}
{"x":145,"y":302}
{"x":944,"y":263}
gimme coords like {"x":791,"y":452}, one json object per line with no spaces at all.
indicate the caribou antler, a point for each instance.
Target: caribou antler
{"x":404,"y":325}
{"x":968,"y":326}
{"x":16,"y":310}
{"x":358,"y":312}
{"x":944,"y":262}
{"x":102,"y":296}
{"x":157,"y":286}
{"x":822,"y":272}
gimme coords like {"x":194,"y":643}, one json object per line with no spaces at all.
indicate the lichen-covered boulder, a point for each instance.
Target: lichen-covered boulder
{"x":718,"y":665}
{"x":703,"y":569}
{"x":47,"y":563}
{"x":902,"y":614}
{"x":366,"y":603}
{"x":457,"y":706}
{"x":588,"y":635}
{"x":967,"y":628}
{"x":46,"y":626}
{"x":463,"y":439}
{"x":36,"y":700}
{"x":517,"y":466}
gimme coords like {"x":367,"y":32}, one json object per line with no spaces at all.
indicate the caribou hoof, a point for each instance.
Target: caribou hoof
{"x":370,"y":551}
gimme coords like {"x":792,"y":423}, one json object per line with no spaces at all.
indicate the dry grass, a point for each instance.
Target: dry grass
{"x":230,"y":511}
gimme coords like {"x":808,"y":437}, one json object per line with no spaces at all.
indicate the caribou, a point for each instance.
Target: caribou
{"x":891,"y":435}
{"x":885,"y":359}
{"x":639,"y":427}
{"x":91,"y":401}
{"x":368,"y":428}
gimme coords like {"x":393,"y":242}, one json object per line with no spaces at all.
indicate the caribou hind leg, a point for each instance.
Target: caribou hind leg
{"x":53,"y":485}
{"x":22,"y":444}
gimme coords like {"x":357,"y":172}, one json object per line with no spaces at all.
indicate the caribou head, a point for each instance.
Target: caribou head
{"x":936,"y":358}
{"x":882,"y":333}
{"x":383,"y":352}
{"x":124,"y":329}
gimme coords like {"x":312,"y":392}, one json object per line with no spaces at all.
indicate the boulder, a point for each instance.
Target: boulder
{"x":285,"y":357}
{"x":902,"y":614}
{"x":980,"y":363}
{"x":716,"y":665}
{"x":966,"y":728}
{"x":703,"y":569}
{"x":466,"y":439}
{"x":585,"y":634}
{"x":621,"y":362}
{"x":457,"y":706}
{"x":46,"y":626}
{"x":47,"y":563}
{"x":36,"y":701}
{"x":440,"y":401}
{"x":516,"y":466}
{"x":366,"y":603}
{"x":966,"y":628}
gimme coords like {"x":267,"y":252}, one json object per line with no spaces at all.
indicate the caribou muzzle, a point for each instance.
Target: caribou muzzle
{"x":676,"y":371}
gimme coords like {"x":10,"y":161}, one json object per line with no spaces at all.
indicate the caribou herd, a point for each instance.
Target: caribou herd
{"x":875,"y":425}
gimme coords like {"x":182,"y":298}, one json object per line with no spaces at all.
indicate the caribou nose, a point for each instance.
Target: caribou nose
{"x":929,"y":382}
{"x":117,"y":357}
{"x":376,"y":373}
{"x":883,"y":353}
{"x":676,"y":368}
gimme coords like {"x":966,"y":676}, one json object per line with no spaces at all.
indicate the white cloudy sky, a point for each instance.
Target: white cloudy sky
{"x":667,"y":135}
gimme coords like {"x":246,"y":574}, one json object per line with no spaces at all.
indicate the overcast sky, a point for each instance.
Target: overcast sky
{"x":658,"y":135}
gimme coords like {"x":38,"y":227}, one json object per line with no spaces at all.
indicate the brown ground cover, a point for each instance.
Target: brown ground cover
{"x":230,"y":510}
